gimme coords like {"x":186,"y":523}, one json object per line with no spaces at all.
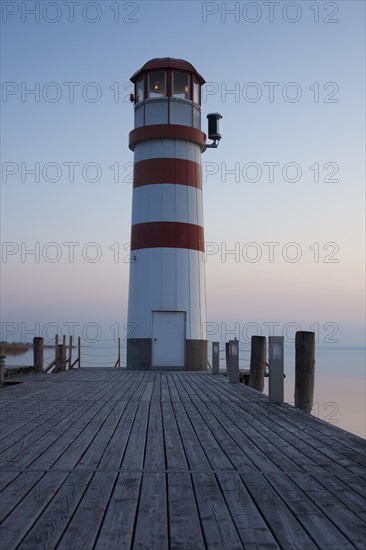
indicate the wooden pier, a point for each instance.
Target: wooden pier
{"x":109,"y":458}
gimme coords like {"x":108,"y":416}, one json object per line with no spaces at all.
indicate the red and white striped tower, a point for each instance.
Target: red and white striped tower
{"x":166,"y":309}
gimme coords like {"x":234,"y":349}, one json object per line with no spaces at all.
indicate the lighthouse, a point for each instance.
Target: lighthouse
{"x":167,"y":299}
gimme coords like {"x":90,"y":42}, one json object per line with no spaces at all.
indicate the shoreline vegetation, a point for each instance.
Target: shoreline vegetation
{"x":15,"y":346}
{"x":18,"y":348}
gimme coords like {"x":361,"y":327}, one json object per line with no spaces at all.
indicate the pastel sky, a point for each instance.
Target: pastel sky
{"x":284,"y":190}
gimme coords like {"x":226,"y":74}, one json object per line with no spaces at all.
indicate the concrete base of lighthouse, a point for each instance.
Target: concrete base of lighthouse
{"x":196,"y":354}
{"x":139,"y":355}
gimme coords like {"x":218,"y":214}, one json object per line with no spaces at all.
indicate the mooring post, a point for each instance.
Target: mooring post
{"x":38,"y":354}
{"x":227,"y":358}
{"x":257,"y":362}
{"x":60,"y":358}
{"x":304,"y":370}
{"x":215,"y":358}
{"x":63,"y":357}
{"x":70,"y":352}
{"x":233,"y":361}
{"x":79,"y":352}
{"x":2,"y":366}
{"x":56,"y":355}
{"x":276,"y":369}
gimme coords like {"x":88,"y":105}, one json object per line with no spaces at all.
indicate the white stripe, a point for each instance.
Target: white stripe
{"x":167,"y":279}
{"x":167,"y":202}
{"x":167,"y":148}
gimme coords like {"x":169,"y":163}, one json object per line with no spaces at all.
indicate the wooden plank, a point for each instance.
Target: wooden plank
{"x":311,"y":512}
{"x":23,"y":436}
{"x":302,"y":445}
{"x":175,"y":455}
{"x":133,"y":458}
{"x":196,"y":457}
{"x":26,"y":454}
{"x":258,"y":443}
{"x":118,"y":523}
{"x":156,"y":395}
{"x":146,"y":396}
{"x":6,"y":477}
{"x":19,"y":450}
{"x":185,"y":529}
{"x":35,"y":408}
{"x":173,"y":460}
{"x":51,"y":524}
{"x":151,"y":529}
{"x":337,"y":436}
{"x":283,"y":524}
{"x":215,"y":455}
{"x":349,"y":528}
{"x":218,"y":527}
{"x":178,"y":381}
{"x":83,"y":528}
{"x":343,"y":453}
{"x":24,"y":515}
{"x":16,"y":490}
{"x":70,"y":447}
{"x":227,"y":444}
{"x":154,"y":459}
{"x":164,"y":388}
{"x":115,"y":448}
{"x":251,"y":527}
{"x":174,"y":394}
{"x":51,"y":442}
{"x":94,"y":452}
{"x":355,"y":501}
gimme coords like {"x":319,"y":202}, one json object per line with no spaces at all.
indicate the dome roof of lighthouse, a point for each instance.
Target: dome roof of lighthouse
{"x":168,"y":63}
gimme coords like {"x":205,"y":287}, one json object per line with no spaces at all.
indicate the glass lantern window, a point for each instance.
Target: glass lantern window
{"x":140,"y":89}
{"x":181,"y":85}
{"x":196,"y":91}
{"x":157,"y":84}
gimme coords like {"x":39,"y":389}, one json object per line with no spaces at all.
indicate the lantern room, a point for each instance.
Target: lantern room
{"x":167,"y":91}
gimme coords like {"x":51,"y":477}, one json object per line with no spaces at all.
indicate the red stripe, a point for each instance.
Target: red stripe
{"x":167,"y":131}
{"x":167,"y":170}
{"x":167,"y":235}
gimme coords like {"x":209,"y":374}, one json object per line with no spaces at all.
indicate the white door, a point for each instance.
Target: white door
{"x":169,"y":335}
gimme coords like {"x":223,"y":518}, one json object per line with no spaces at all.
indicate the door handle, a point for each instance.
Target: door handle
{"x":155,"y":339}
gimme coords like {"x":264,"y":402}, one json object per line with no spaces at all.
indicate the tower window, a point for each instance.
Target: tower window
{"x":157,"y":84}
{"x":140,"y":89}
{"x":196,"y":91}
{"x":181,"y":85}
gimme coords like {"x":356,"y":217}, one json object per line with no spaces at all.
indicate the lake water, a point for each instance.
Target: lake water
{"x":340,"y":389}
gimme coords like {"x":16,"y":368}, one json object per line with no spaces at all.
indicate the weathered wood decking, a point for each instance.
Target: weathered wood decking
{"x":106,"y":458}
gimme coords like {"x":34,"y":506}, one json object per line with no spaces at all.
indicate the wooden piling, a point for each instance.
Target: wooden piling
{"x":63,"y":355}
{"x":257,"y":362}
{"x":276,"y":369}
{"x":56,"y":354}
{"x":215,"y":358}
{"x":60,"y":355}
{"x":79,"y":352}
{"x":227,"y":357}
{"x":70,"y":353}
{"x":233,"y":361}
{"x":38,"y":354}
{"x":118,"y":362}
{"x":304,"y":370}
{"x":2,"y":366}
